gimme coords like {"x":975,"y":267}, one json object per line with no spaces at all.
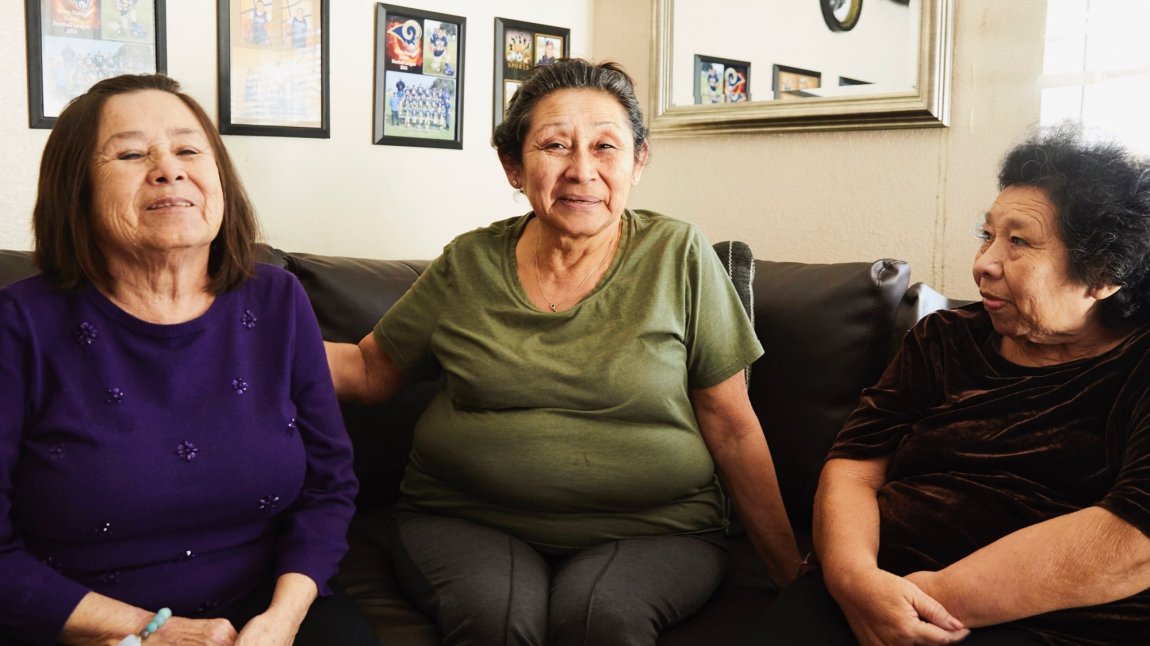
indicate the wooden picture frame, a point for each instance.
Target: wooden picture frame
{"x":721,"y":80}
{"x":419,"y":67}
{"x":791,"y":82}
{"x":274,"y":68}
{"x":74,"y":43}
{"x":520,"y":47}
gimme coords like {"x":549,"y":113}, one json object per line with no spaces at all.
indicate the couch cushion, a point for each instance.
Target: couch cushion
{"x":15,"y":265}
{"x":826,"y":330}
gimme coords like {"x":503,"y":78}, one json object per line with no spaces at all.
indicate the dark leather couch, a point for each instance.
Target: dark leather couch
{"x":828,"y":330}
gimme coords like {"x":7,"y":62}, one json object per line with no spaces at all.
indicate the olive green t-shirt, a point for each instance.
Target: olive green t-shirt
{"x":573,"y":428}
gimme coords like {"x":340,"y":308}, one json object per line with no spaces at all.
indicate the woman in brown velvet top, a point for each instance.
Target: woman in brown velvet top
{"x":994,"y":486}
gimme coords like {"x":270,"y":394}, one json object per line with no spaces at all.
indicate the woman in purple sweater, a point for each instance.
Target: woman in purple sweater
{"x":170,"y":437}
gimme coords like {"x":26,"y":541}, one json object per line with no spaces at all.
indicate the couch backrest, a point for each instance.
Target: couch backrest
{"x":827,"y":332}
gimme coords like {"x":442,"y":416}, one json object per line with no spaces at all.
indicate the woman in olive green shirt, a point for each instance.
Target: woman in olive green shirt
{"x":562,"y":485}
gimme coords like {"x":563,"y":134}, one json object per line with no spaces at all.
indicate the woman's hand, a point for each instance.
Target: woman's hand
{"x":185,"y":632}
{"x":279,"y":624}
{"x":268,"y":629}
{"x":883,"y":608}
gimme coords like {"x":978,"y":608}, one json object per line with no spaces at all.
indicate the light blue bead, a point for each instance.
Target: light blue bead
{"x":164,"y":614}
{"x":152,"y":627}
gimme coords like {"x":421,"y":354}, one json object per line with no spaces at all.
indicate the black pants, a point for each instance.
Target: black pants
{"x":806,"y":613}
{"x":485,"y":587}
{"x":331,"y":621}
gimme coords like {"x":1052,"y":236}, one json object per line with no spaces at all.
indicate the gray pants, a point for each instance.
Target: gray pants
{"x":483,"y":586}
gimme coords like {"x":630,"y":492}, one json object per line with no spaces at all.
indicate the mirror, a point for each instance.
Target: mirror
{"x":730,"y":66}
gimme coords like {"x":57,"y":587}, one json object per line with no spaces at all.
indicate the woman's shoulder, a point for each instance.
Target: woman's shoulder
{"x":35,"y":289}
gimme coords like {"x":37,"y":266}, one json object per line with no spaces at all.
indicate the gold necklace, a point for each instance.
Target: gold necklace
{"x":554,"y":305}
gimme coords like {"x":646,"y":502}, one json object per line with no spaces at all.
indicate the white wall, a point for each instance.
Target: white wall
{"x":811,"y":197}
{"x":341,"y":195}
{"x":859,"y":195}
{"x":794,"y":34}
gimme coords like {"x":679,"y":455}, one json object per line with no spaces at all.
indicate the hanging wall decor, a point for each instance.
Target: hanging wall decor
{"x":72,"y":44}
{"x":273,"y":68}
{"x":418,"y":78}
{"x":519,"y":48}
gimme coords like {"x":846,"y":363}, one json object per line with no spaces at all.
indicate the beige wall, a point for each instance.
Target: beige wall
{"x":814,"y":197}
{"x":862,"y":195}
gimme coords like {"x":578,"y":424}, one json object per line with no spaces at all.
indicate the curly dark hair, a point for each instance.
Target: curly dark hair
{"x":62,"y":221}
{"x":566,"y":74}
{"x":1101,"y":197}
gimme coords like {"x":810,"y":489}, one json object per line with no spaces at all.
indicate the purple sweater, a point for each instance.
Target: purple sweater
{"x":164,"y":465}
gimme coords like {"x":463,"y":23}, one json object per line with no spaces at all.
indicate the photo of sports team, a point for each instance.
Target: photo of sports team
{"x":422,"y":62}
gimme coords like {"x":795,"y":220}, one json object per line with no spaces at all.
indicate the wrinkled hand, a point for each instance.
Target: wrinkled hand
{"x":268,"y":630}
{"x":181,"y":631}
{"x":883,"y":608}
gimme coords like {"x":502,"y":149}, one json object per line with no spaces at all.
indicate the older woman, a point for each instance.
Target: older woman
{"x":170,"y":436}
{"x":998,"y":475}
{"x":562,"y":486}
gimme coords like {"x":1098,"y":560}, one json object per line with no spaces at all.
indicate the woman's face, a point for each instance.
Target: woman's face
{"x":1022,"y":270}
{"x":579,"y":161}
{"x":155,"y":183}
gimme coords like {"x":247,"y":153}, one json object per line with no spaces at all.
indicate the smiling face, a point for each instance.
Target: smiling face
{"x":1023,"y":274}
{"x":579,"y":161}
{"x":155,"y":184}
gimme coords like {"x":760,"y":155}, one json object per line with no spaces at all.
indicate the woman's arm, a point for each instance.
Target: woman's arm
{"x":363,"y":372}
{"x":1084,"y":558}
{"x":293,"y":596}
{"x":735,"y":439}
{"x":102,"y":620}
{"x":882,"y":608}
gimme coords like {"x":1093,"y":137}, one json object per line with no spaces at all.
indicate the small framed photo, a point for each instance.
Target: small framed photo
{"x":721,"y":80}
{"x":792,"y":82}
{"x":418,"y":78}
{"x":273,"y":68}
{"x":519,"y":48}
{"x":72,"y":44}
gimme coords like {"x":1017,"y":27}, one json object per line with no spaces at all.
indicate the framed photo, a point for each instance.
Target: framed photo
{"x":721,"y":80}
{"x":790,"y":82}
{"x":519,"y":48}
{"x":273,"y":58}
{"x":418,"y":78}
{"x":72,"y":44}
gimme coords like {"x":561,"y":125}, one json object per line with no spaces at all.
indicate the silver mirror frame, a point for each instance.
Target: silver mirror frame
{"x":925,"y":106}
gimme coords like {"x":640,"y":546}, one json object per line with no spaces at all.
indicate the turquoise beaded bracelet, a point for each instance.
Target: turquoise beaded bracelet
{"x":135,"y":640}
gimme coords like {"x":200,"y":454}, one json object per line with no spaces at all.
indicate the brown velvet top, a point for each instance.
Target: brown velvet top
{"x":981,"y":447}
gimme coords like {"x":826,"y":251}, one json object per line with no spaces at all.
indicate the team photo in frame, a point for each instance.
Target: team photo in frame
{"x":520,"y":47}
{"x":418,"y":78}
{"x":273,"y":68}
{"x":72,"y":44}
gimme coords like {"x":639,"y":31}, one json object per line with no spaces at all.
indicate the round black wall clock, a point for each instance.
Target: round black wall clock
{"x":841,"y":15}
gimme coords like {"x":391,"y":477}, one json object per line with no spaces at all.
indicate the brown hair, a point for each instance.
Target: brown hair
{"x":65,"y":244}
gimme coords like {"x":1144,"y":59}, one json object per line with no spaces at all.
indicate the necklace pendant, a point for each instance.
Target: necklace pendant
{"x":554,"y":307}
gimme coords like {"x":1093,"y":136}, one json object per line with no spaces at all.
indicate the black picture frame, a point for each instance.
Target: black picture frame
{"x":418,"y":88}
{"x":274,"y":70}
{"x":72,"y":45}
{"x":721,"y":80}
{"x":791,"y":82}
{"x":520,"y":47}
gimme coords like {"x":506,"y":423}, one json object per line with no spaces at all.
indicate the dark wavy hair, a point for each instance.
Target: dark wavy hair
{"x":1101,"y":197}
{"x":566,"y":74}
{"x":62,"y":220}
